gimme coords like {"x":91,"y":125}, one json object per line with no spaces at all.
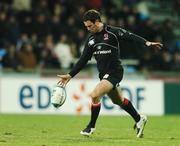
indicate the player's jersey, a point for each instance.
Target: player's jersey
{"x":105,"y":46}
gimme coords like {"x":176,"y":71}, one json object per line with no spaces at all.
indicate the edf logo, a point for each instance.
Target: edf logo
{"x":39,"y":97}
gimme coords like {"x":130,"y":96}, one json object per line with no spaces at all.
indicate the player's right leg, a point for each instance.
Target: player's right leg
{"x":102,"y":88}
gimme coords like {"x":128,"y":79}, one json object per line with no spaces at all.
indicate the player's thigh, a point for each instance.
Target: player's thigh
{"x":116,"y":95}
{"x":102,"y":88}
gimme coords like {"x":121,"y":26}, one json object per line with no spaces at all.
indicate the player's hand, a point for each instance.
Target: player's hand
{"x":64,"y":79}
{"x":156,"y":45}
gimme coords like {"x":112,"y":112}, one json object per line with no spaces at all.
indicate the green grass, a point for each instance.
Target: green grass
{"x":58,"y":130}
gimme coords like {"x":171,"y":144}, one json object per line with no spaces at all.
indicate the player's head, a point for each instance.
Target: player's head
{"x":92,"y":21}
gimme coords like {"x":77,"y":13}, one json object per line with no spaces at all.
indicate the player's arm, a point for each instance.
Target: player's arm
{"x":86,"y":55}
{"x":128,"y":36}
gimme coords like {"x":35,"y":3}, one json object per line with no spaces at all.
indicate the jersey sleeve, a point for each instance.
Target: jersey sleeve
{"x":128,"y":36}
{"x":86,"y":55}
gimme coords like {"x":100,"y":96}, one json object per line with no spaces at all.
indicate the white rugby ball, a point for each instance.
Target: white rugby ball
{"x":58,"y":96}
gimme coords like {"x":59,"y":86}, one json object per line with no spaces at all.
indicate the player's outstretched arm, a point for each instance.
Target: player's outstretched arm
{"x":123,"y":34}
{"x":156,"y":45}
{"x":64,"y":79}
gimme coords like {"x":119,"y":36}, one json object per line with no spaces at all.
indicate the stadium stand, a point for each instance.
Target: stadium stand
{"x":32,"y":32}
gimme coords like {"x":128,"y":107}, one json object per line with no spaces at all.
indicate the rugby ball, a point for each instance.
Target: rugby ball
{"x":58,"y":96}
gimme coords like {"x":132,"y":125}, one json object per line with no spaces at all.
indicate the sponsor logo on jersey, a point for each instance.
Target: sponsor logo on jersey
{"x":91,"y":42}
{"x":106,"y":36}
{"x":99,"y":47}
{"x":102,"y":52}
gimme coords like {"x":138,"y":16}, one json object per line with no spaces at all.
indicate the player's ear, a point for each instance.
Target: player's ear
{"x":97,"y":22}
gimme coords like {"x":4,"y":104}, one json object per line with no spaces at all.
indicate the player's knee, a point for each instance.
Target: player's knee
{"x":95,"y":98}
{"x":93,"y":95}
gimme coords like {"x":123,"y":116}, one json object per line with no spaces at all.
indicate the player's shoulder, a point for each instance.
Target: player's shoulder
{"x":111,"y":28}
{"x":118,"y":31}
{"x":115,"y":29}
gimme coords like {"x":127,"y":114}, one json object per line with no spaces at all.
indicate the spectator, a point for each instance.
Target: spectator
{"x":63,"y":51}
{"x":146,"y":61}
{"x":57,"y":27}
{"x":23,"y":39}
{"x":78,"y":40}
{"x":10,"y":59}
{"x":48,"y":57}
{"x":176,"y":7}
{"x":26,"y":23}
{"x":176,"y":61}
{"x":167,"y":34}
{"x":14,"y":30}
{"x":27,"y":57}
{"x":165,"y":61}
{"x":4,"y":27}
{"x":41,"y":26}
{"x":22,"y":5}
{"x":95,"y":3}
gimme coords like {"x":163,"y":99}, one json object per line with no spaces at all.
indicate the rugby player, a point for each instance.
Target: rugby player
{"x":104,"y":43}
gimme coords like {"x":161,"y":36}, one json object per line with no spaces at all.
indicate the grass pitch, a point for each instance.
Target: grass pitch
{"x":58,"y":130}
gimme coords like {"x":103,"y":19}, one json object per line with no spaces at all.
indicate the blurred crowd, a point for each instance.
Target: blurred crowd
{"x":50,"y":33}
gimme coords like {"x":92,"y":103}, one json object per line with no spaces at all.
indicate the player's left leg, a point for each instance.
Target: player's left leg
{"x":102,"y":88}
{"x":116,"y":97}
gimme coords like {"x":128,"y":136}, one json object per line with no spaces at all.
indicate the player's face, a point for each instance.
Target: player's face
{"x":91,"y":27}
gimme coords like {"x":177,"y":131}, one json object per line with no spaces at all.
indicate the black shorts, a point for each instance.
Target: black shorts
{"x":113,"y":78}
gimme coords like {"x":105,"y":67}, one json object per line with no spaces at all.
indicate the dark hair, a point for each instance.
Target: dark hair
{"x":92,"y":15}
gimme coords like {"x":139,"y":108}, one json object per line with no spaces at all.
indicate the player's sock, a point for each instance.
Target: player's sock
{"x":95,"y":108}
{"x":128,"y":107}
